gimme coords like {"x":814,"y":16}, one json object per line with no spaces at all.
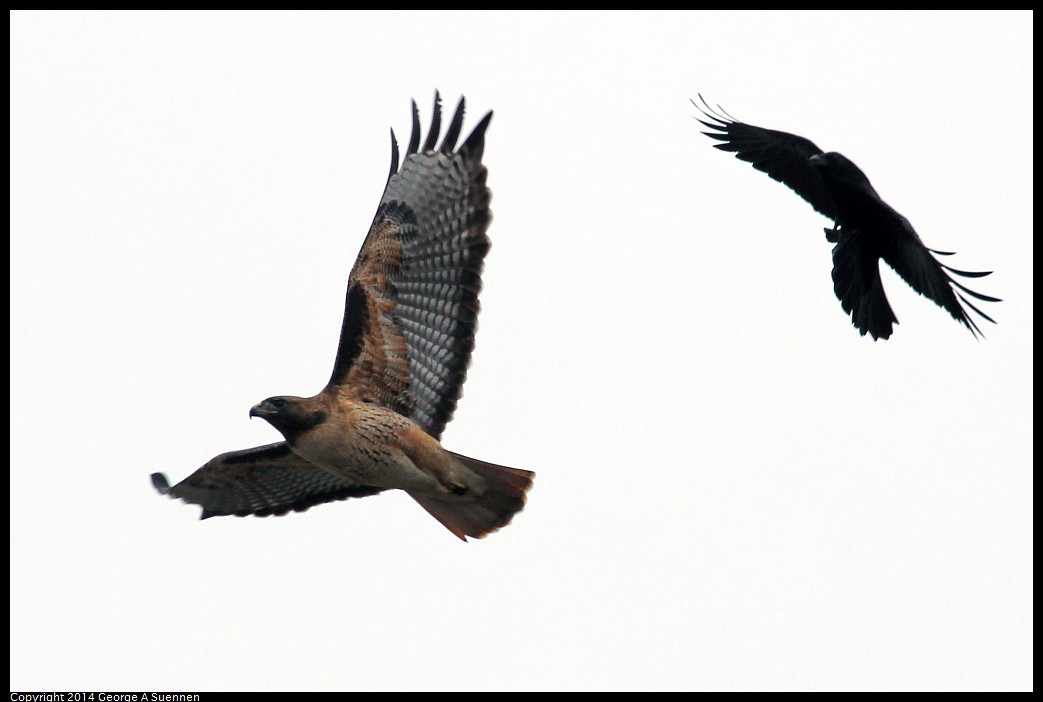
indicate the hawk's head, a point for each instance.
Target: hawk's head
{"x":292,"y":416}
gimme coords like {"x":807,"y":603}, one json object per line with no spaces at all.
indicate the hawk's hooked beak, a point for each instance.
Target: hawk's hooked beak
{"x":261,"y":410}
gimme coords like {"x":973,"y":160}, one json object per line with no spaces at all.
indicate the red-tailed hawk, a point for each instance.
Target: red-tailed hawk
{"x":405,"y":344}
{"x":866,"y":229}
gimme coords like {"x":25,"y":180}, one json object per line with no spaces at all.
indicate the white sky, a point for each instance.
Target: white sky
{"x":734,"y":489}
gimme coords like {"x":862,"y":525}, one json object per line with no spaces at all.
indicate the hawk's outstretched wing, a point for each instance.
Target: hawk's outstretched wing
{"x":411,"y":307}
{"x":263,"y":481}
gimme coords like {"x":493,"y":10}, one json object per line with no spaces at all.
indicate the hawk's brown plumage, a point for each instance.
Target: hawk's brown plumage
{"x":408,"y":332}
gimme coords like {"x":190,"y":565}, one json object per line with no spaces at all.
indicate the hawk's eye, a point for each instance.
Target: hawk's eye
{"x":278,"y":403}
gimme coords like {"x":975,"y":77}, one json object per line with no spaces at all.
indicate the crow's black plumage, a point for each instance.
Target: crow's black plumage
{"x":866,"y":229}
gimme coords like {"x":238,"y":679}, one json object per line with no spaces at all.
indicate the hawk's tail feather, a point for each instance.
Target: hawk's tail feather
{"x":477,"y":515}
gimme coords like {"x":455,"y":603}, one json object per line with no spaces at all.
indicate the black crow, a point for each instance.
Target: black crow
{"x":865,"y":228}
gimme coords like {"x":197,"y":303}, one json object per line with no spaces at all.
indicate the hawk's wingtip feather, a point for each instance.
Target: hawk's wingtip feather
{"x":159,"y":481}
